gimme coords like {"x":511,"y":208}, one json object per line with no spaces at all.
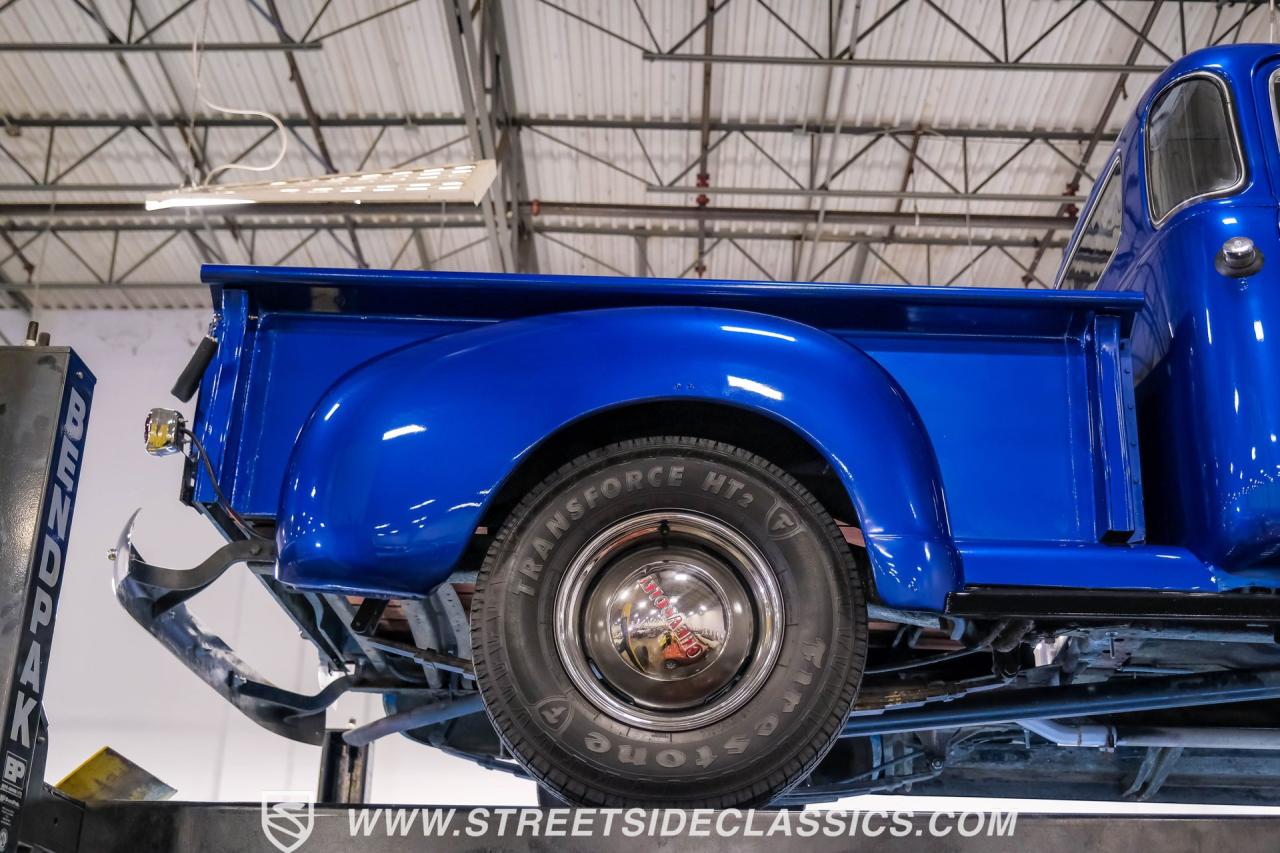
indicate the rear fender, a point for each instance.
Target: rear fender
{"x":397,"y":464}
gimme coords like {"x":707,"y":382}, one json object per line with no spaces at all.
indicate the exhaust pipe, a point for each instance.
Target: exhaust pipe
{"x":1076,"y":700}
{"x":1105,"y":736}
{"x":1065,"y":734}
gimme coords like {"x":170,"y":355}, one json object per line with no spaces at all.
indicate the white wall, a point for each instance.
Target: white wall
{"x":111,"y":684}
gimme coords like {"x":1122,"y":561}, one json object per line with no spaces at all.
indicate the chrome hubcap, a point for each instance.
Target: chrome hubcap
{"x":669,"y":620}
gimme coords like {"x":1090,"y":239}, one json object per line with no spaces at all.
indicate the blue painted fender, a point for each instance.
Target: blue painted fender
{"x":393,"y":471}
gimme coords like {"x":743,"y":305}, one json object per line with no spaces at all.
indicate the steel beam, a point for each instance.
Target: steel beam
{"x":585,"y":255}
{"x":427,"y":222}
{"x":412,"y":120}
{"x":41,"y":213}
{"x":14,"y":291}
{"x":704,"y":130}
{"x":895,"y":195}
{"x":934,"y":64}
{"x":37,"y":287}
{"x":788,"y":27}
{"x":150,"y":47}
{"x":597,"y":27}
{"x":8,"y":285}
{"x":512,"y":168}
{"x":913,"y":156}
{"x":564,"y":228}
{"x":480,"y":129}
{"x":805,"y":217}
{"x":800,"y":256}
{"x":373,"y":16}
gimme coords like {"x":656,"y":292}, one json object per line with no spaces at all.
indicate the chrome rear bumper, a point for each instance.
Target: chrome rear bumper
{"x":155,"y":597}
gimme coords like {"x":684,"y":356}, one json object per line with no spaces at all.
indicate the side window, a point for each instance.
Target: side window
{"x":1191,"y":147}
{"x":1098,"y":237}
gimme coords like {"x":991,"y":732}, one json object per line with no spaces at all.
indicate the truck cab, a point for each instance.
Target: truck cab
{"x":1185,"y":213}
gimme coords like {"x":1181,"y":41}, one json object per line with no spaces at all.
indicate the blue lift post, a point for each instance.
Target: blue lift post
{"x":45,"y":397}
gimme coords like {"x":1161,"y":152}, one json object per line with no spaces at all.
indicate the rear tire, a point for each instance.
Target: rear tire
{"x":549,"y":800}
{"x":607,"y":689}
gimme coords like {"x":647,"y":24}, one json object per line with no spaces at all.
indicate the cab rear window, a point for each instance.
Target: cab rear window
{"x":1192,"y":151}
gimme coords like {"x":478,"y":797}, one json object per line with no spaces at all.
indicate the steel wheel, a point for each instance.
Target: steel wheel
{"x":670,"y":620}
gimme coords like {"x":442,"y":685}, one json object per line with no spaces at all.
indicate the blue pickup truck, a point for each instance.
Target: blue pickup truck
{"x":719,"y":543}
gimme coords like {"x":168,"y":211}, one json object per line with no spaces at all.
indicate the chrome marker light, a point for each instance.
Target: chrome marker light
{"x":163,"y":431}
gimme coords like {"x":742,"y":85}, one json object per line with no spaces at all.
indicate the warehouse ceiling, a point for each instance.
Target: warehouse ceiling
{"x":923,"y":141}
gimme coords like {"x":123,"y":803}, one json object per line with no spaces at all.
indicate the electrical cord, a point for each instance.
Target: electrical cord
{"x":196,"y":67}
{"x":221,"y":499}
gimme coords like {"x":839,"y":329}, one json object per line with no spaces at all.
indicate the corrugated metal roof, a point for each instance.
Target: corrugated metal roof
{"x":400,"y":63}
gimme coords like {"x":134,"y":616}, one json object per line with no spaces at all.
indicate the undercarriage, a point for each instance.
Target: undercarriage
{"x":1054,"y":707}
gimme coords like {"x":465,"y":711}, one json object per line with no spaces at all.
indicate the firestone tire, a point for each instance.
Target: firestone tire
{"x":766,"y":727}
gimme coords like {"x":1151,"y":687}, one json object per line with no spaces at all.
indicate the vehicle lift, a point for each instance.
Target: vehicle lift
{"x":46,"y":394}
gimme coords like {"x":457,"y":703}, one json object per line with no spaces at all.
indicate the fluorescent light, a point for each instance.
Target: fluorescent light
{"x":166,"y":201}
{"x":453,"y":182}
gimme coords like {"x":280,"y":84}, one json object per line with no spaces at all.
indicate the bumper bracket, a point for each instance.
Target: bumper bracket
{"x":155,"y":597}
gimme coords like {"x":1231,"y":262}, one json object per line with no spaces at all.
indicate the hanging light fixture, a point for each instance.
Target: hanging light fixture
{"x":467,"y":181}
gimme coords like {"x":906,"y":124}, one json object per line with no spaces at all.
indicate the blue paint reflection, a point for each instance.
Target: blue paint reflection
{"x":754,"y":387}
{"x":407,"y":429}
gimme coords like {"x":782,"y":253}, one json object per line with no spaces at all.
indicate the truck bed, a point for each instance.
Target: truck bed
{"x":1021,"y":395}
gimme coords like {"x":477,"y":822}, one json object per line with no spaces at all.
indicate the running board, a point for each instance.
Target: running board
{"x":1106,"y":605}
